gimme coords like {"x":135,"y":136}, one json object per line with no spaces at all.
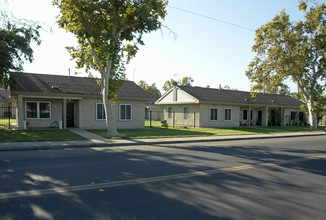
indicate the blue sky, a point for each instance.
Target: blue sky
{"x":210,"y":51}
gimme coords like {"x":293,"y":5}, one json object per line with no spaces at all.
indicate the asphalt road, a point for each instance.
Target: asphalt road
{"x":255,"y":179}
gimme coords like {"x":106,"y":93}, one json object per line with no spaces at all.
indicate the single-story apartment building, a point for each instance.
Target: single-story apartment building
{"x":208,"y":107}
{"x":44,"y":101}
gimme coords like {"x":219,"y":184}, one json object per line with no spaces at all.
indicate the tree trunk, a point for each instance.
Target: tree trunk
{"x":312,"y":116}
{"x":108,"y":108}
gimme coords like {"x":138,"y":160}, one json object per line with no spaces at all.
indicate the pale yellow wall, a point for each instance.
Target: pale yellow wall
{"x":287,"y":116}
{"x":205,"y":116}
{"x":87,"y":113}
{"x":202,"y":116}
{"x":180,"y":97}
{"x":179,"y":116}
{"x":56,"y":109}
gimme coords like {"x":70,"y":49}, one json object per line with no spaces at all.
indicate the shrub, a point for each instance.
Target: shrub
{"x":164,"y":124}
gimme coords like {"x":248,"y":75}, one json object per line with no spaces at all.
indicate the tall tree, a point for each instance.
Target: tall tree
{"x":16,"y":37}
{"x":227,"y":87}
{"x":185,"y":81}
{"x":108,"y":34}
{"x":150,"y":89}
{"x":295,"y":51}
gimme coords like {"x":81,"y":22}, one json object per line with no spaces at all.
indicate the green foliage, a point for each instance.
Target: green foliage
{"x":169,"y":84}
{"x":227,"y":87}
{"x":185,"y":81}
{"x":164,"y":124}
{"x":295,"y":51}
{"x":108,"y":35}
{"x":108,"y":32}
{"x":15,"y":45}
{"x":150,"y":89}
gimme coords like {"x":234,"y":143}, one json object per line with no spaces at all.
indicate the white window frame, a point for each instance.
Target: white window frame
{"x":225,"y":109}
{"x":210,"y":114}
{"x":125,"y":119}
{"x":38,"y":109}
{"x":243,"y":115}
{"x":99,"y":119}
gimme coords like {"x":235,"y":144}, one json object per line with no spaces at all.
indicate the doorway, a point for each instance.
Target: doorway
{"x":70,"y":114}
{"x":273,"y":118}
{"x":260,"y":117}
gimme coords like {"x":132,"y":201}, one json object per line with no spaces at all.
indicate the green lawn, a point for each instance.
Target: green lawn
{"x":5,"y":122}
{"x":157,"y":132}
{"x":38,"y":135}
{"x":295,"y":128}
{"x":156,"y":124}
{"x":181,"y":132}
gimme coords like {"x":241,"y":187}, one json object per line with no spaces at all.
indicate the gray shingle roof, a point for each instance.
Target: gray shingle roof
{"x":208,"y":95}
{"x":58,"y":84}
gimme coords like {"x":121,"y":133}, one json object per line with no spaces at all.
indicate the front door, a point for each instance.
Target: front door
{"x":70,"y":115}
{"x":260,"y":117}
{"x":273,"y":118}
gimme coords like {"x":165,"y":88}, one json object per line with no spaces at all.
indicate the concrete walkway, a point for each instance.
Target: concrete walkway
{"x":90,"y":136}
{"x":99,"y":141}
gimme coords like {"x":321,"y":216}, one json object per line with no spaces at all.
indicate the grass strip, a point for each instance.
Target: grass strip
{"x":38,"y":135}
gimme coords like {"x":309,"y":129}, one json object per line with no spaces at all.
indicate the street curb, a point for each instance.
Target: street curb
{"x":134,"y":142}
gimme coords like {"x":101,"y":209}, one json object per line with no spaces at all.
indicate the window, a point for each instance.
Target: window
{"x":100,"y":113}
{"x":31,"y":109}
{"x":245,"y":115}
{"x":125,"y":112}
{"x":213,"y":114}
{"x":44,"y":110}
{"x":293,"y":115}
{"x":301,"y":116}
{"x":170,"y":112}
{"x":186,"y":113}
{"x":38,"y":110}
{"x":227,"y":114}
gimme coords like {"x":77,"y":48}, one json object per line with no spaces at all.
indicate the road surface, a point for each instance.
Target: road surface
{"x":256,"y":179}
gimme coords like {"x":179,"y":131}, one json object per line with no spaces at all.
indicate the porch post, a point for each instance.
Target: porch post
{"x":20,"y":112}
{"x":64,"y":115}
{"x":265,"y":116}
{"x":282,"y":116}
{"x":249,"y":117}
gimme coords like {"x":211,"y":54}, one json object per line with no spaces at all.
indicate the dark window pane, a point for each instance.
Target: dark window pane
{"x":31,"y":109}
{"x":44,"y":110}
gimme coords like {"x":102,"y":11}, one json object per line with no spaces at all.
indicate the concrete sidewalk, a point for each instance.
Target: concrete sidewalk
{"x":99,"y":141}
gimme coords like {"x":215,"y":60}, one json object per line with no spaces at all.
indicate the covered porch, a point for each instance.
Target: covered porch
{"x":270,"y":116}
{"x":47,"y":112}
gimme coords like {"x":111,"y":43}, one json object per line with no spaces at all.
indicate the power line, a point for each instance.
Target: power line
{"x":211,"y":18}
